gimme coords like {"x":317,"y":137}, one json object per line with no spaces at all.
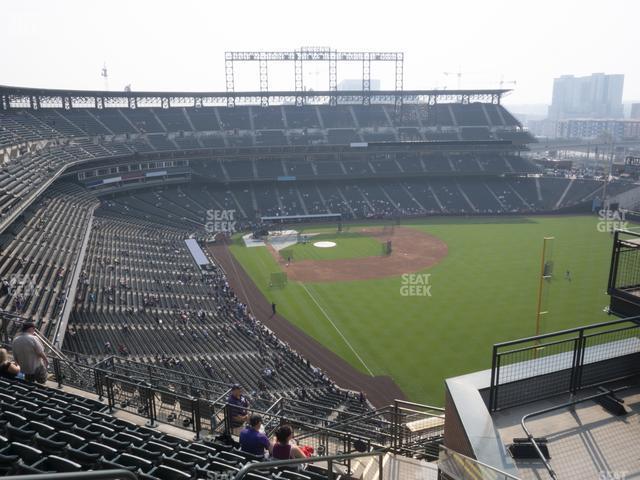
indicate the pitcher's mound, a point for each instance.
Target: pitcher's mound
{"x":413,"y":250}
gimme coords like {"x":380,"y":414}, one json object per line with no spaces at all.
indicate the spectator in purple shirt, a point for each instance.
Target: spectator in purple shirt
{"x":238,"y":406}
{"x":252,"y":440}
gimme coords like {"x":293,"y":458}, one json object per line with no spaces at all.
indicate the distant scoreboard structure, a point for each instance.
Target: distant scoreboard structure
{"x":291,"y":219}
{"x":631,"y":167}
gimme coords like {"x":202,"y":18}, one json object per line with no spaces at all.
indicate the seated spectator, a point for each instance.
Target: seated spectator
{"x":252,"y":438}
{"x":238,"y":406}
{"x":8,"y":368}
{"x":29,"y":354}
{"x":282,"y":449}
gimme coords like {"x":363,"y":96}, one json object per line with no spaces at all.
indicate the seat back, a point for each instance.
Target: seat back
{"x":28,"y":454}
{"x":164,"y":472}
{"x":59,"y":464}
{"x":101,"y":449}
{"x":133,"y":461}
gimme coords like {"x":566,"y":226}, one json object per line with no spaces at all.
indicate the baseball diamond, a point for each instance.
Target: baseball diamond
{"x":361,"y":267}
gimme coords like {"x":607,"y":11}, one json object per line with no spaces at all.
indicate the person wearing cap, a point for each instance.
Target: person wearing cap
{"x":238,"y":406}
{"x":28,"y":352}
{"x":252,"y":440}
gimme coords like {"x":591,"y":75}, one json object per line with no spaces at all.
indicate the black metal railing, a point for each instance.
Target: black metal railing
{"x":567,"y":361}
{"x":418,"y":429}
{"x":165,"y":378}
{"x":92,"y":475}
{"x":199,"y":404}
{"x":624,"y":274}
{"x":623,"y":285}
{"x":201,"y":415}
{"x":329,"y":461}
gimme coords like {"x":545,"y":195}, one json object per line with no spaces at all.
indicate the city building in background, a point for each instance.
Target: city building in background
{"x":635,"y":110}
{"x":598,"y":128}
{"x":595,"y":96}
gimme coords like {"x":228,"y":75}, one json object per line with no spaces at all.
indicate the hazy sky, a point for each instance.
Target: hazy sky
{"x":166,"y":45}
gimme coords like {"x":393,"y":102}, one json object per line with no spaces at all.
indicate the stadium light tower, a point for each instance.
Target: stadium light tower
{"x":306,"y":55}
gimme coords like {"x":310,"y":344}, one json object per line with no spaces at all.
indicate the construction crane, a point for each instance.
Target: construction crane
{"x":504,"y":82}
{"x":458,"y":74}
{"x":105,"y":76}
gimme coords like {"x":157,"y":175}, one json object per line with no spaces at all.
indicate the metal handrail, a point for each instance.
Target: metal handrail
{"x":315,"y":429}
{"x":576,"y":341}
{"x":274,"y":404}
{"x":478,"y":462}
{"x":92,"y":475}
{"x":427,"y":414}
{"x":414,"y":404}
{"x":56,"y":353}
{"x":538,"y":346}
{"x":566,"y":332}
{"x":298,"y":461}
{"x":156,"y":367}
{"x":350,"y":421}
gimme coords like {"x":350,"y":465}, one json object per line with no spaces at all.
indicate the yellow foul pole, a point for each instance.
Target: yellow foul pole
{"x":539,"y":311}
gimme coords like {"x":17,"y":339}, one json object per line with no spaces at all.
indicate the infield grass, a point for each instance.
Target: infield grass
{"x":348,"y":245}
{"x":483,"y":292}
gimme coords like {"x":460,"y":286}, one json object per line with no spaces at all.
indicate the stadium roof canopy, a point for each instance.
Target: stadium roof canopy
{"x":35,"y":98}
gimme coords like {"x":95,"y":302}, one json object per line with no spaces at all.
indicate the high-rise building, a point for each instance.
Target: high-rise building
{"x":594,"y":128}
{"x":635,"y":110}
{"x":594,"y":96}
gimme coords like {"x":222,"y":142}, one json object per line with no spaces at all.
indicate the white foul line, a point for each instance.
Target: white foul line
{"x":337,"y":329}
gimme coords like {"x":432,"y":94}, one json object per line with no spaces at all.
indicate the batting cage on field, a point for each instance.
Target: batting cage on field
{"x":278,"y":280}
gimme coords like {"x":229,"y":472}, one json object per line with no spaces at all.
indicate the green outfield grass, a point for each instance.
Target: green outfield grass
{"x":483,"y":292}
{"x":348,"y":245}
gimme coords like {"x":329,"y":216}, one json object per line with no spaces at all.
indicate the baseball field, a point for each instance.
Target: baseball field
{"x":450,"y":289}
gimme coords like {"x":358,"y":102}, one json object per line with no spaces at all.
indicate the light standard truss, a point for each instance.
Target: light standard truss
{"x":314,"y":54}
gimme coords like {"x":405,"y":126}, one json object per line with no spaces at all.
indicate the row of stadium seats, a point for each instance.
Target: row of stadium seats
{"x":23,"y":176}
{"x":44,"y":430}
{"x":22,"y":126}
{"x":168,"y":141}
{"x":186,"y":208}
{"x":375,"y":165}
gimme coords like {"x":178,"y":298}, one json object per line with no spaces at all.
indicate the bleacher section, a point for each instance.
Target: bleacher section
{"x":40,"y":251}
{"x":302,"y":125}
{"x":143,"y":297}
{"x":389,"y":198}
